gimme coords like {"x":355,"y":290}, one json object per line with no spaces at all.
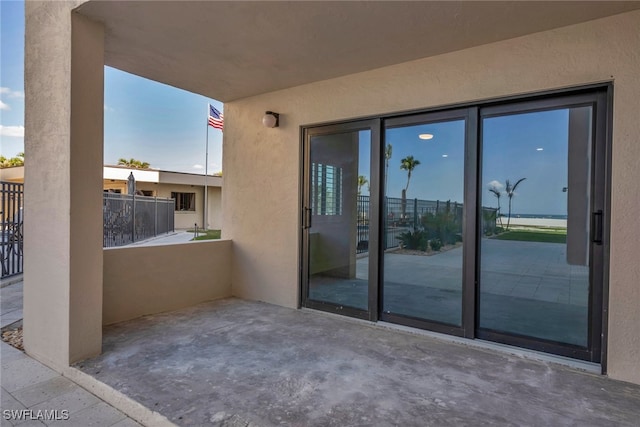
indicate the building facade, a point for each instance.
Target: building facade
{"x":343,"y":88}
{"x":185,"y":188}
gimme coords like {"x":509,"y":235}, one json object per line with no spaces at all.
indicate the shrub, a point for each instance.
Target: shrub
{"x":436,"y":244}
{"x":416,"y":239}
{"x":444,"y":224}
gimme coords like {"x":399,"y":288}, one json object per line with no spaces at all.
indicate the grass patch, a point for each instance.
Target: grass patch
{"x":210,"y":235}
{"x":547,"y":236}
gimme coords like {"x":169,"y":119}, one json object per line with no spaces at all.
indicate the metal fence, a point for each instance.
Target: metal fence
{"x":11,"y":227}
{"x":411,"y":214}
{"x":129,"y":218}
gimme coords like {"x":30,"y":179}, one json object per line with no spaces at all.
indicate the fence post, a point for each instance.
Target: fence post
{"x":11,"y":229}
{"x":133,"y":218}
{"x":415,"y":213}
{"x":155,"y":222}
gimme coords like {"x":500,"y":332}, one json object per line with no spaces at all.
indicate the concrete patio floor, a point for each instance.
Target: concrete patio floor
{"x":235,"y":362}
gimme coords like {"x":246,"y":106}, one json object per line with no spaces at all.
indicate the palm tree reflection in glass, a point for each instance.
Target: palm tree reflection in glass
{"x":409,"y":164}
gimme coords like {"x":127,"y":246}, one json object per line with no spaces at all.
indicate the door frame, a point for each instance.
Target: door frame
{"x":373,"y":125}
{"x":467,"y":114}
{"x":603,"y":118}
{"x":599,"y":194}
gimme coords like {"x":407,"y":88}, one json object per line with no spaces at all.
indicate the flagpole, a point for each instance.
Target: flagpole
{"x":206,"y":173}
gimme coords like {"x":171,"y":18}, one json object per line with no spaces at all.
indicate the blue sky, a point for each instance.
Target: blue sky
{"x":143,"y":119}
{"x":166,"y":127}
{"x":531,"y":146}
{"x":11,"y":78}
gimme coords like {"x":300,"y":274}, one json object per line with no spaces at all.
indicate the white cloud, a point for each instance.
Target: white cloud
{"x":11,"y":93}
{"x":107,"y":108}
{"x":198,"y":167}
{"x":8,"y":93}
{"x":496,"y":184}
{"x":13,"y":131}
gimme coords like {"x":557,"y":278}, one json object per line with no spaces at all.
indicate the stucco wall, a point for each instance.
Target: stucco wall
{"x":152,"y":279}
{"x":188,"y":218}
{"x":64,"y":74}
{"x":261,"y":201}
{"x":183,"y":219}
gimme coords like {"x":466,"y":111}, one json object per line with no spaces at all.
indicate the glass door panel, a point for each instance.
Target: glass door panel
{"x":486,"y":222}
{"x":536,"y":212}
{"x":339,"y":215}
{"x":423,"y":221}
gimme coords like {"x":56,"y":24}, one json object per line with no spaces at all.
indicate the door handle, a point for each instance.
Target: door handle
{"x":597,"y":226}
{"x":307,"y":218}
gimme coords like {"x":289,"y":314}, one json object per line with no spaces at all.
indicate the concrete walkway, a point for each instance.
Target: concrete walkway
{"x":179,"y":236}
{"x":35,"y":395}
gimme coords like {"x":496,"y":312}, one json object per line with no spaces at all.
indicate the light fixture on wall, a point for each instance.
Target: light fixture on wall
{"x":271,"y":119}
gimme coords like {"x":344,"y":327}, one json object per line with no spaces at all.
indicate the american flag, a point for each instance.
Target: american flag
{"x":216,"y":118}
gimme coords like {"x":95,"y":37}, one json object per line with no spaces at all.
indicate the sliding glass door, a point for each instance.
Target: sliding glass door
{"x":542,"y":210}
{"x":338,"y":220}
{"x":423,"y":217}
{"x":488,"y":221}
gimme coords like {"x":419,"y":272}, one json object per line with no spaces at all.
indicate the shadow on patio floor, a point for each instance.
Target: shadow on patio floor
{"x":235,"y":362}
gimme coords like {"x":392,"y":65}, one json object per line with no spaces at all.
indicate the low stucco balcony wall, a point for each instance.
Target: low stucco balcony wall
{"x":152,"y":279}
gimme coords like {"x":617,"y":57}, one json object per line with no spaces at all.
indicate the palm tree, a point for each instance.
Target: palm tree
{"x":18,"y":160}
{"x":496,"y":192}
{"x":388,"y":152}
{"x":133,"y":163}
{"x":511,"y":190}
{"x":408,"y":164}
{"x":362,"y":180}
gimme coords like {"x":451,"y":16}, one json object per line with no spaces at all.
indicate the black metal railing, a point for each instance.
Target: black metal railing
{"x":129,"y":218}
{"x":437,"y":216}
{"x":11,"y":227}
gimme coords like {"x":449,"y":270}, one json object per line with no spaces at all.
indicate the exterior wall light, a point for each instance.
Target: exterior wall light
{"x":271,"y":119}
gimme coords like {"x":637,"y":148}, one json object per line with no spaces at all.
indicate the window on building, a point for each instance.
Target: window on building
{"x":184,"y":201}
{"x":148,"y":193}
{"x":326,"y":197}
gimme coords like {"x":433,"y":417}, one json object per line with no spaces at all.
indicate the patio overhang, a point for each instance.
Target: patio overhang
{"x":234,"y":50}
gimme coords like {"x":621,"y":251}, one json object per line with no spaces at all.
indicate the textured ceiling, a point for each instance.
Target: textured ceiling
{"x":231,"y":50}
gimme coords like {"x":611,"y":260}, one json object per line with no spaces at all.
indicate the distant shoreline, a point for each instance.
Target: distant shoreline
{"x":534,"y":221}
{"x":545,"y":216}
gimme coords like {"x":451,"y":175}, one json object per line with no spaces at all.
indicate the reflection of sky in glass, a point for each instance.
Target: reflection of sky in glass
{"x":510,"y":151}
{"x":531,"y":146}
{"x":436,"y":177}
{"x":440,"y":174}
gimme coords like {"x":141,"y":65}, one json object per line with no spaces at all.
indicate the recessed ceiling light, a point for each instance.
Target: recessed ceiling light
{"x":539,"y":149}
{"x":425,"y":136}
{"x":445,"y":155}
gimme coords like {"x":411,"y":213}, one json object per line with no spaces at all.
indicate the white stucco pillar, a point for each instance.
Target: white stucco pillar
{"x":64,"y":86}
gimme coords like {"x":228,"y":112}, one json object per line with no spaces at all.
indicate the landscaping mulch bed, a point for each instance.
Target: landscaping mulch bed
{"x":428,"y":252}
{"x":13,"y":337}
